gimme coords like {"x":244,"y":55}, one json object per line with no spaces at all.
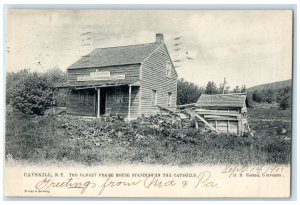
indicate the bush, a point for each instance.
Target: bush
{"x":249,"y":99}
{"x":285,"y":102}
{"x":12,"y":81}
{"x":32,"y":95}
{"x":257,"y":96}
{"x":284,"y":98}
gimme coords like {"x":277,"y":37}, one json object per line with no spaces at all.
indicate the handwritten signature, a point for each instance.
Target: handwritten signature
{"x":203,"y":180}
{"x":233,"y":170}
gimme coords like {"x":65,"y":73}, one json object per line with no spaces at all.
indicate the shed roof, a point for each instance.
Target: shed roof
{"x":121,"y":55}
{"x":222,"y":100}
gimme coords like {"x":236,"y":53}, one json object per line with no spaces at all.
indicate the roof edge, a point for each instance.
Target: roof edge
{"x":68,"y":68}
{"x":159,"y":45}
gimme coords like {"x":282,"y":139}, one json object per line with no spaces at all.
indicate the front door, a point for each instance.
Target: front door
{"x":102,"y":101}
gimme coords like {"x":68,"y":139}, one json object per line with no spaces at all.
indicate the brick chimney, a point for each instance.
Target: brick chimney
{"x":159,"y":38}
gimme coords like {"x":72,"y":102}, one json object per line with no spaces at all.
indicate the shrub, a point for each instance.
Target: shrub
{"x":32,"y":95}
{"x":12,"y":81}
{"x":257,"y":96}
{"x":285,"y":102}
{"x":249,"y":100}
{"x":284,"y":98}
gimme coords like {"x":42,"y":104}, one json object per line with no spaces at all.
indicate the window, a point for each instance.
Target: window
{"x":154,"y":97}
{"x":168,"y":69}
{"x":169,"y":99}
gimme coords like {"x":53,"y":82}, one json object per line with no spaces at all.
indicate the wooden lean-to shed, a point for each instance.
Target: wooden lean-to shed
{"x":227,"y":113}
{"x":128,"y":81}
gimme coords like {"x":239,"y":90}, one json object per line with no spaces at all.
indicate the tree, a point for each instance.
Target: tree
{"x":55,"y":77}
{"x":187,"y":92}
{"x":243,"y":89}
{"x":226,"y":89}
{"x":211,"y":88}
{"x":236,"y":89}
{"x":32,"y":95}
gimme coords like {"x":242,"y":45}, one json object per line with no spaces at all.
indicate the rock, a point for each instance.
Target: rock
{"x":283,"y":131}
{"x":139,"y":136}
{"x":119,"y":134}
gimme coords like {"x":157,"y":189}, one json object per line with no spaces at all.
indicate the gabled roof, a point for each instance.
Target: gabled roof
{"x":121,"y":55}
{"x":222,"y":100}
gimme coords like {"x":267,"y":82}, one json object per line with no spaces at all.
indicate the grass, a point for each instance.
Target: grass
{"x":271,"y":113}
{"x":92,"y":142}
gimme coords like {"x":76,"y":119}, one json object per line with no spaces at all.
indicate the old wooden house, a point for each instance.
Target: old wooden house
{"x":128,"y":81}
{"x":224,"y":112}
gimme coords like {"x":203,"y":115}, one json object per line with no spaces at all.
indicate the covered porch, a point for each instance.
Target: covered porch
{"x":104,"y":99}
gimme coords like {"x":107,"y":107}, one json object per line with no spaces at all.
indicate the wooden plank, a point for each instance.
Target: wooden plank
{"x":206,"y":123}
{"x":98,"y":103}
{"x":213,"y":112}
{"x":186,"y":105}
{"x":239,"y":128}
{"x":129,"y":104}
{"x":220,"y":116}
{"x":196,"y":124}
{"x":219,"y":109}
{"x":228,"y":126}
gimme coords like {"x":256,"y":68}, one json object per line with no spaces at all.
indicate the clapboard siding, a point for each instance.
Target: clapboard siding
{"x":154,"y":77}
{"x":78,"y":105}
{"x":132,"y":72}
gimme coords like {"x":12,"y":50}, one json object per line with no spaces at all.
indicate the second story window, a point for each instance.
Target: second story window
{"x":168,"y":69}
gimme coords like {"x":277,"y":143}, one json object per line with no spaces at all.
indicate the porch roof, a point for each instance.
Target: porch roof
{"x":98,"y":84}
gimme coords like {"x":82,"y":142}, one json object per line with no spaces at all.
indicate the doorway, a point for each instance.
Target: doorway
{"x":102,"y":101}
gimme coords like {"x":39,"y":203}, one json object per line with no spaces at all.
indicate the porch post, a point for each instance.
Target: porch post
{"x":129,"y":114}
{"x":98,"y":103}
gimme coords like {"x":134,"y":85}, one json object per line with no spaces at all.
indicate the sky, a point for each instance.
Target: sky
{"x":246,"y":47}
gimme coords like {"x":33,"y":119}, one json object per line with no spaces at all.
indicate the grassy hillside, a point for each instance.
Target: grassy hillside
{"x":153,"y":140}
{"x":273,"y":86}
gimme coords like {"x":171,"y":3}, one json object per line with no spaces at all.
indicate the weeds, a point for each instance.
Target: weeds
{"x":94,"y":142}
